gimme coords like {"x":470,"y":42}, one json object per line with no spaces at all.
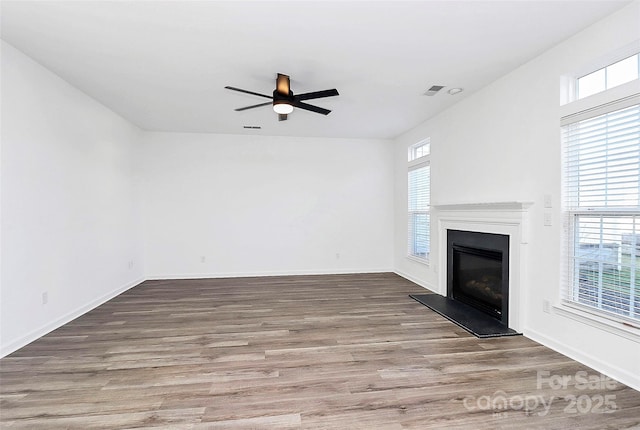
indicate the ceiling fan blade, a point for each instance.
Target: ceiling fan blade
{"x":252,"y":106}
{"x":312,"y":108}
{"x":282,"y":117}
{"x":317,"y":94}
{"x":283,"y":85}
{"x":248,"y":92}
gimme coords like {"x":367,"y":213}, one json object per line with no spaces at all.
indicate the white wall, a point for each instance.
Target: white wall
{"x":503,"y":144}
{"x":254,"y":205}
{"x":69,"y":202}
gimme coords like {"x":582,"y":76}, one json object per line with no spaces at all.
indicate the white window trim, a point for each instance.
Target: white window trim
{"x":418,"y":163}
{"x":424,"y":261}
{"x":615,"y":98}
{"x":423,"y":142}
{"x":619,"y":97}
{"x":585,"y":315}
{"x":413,"y":165}
{"x":568,"y":81}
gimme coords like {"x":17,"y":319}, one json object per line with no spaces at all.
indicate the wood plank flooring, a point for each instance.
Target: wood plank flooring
{"x":311,"y":352}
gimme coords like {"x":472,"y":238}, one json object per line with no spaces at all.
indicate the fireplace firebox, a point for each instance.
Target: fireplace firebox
{"x":478,"y":271}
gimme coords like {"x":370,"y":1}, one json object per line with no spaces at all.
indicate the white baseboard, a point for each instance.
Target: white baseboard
{"x":621,"y":375}
{"x":218,"y":275}
{"x":417,"y":281}
{"x":59,"y":322}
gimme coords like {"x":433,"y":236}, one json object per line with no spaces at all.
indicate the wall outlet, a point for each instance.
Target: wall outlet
{"x":546,"y":306}
{"x":45,"y":298}
{"x":337,"y":256}
{"x":203,"y":259}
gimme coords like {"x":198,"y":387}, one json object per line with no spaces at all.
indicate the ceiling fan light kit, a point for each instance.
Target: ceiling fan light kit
{"x":282,"y":107}
{"x":284,"y":100}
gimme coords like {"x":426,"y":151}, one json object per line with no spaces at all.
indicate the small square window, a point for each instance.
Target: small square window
{"x":419,"y":150}
{"x":611,"y":76}
{"x":592,"y":83}
{"x":622,"y":72}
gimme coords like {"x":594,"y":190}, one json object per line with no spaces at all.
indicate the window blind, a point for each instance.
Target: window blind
{"x":602,"y":206}
{"x":419,"y":202}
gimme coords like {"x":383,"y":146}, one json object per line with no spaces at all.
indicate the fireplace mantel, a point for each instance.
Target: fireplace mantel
{"x":507,"y":218}
{"x":494,"y":213}
{"x":502,"y":206}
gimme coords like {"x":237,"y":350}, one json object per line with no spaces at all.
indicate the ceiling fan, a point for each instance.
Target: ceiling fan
{"x":283,"y":99}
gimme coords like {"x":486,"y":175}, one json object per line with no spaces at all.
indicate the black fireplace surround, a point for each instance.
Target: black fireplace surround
{"x":478,"y":271}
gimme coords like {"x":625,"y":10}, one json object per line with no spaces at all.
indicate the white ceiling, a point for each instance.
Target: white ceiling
{"x":163,"y":65}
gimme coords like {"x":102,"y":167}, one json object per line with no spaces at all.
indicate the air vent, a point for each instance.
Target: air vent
{"x":433,"y":90}
{"x":252,"y":127}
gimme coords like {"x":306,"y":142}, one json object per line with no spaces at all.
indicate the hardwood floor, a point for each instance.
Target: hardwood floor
{"x":313,"y":352}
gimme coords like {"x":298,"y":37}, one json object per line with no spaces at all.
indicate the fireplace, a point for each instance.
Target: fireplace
{"x":478,"y":271}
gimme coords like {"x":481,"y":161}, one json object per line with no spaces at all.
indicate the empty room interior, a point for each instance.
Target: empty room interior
{"x":307,"y":214}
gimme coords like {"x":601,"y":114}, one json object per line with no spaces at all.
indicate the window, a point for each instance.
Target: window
{"x":608,"y":77}
{"x":419,"y":150}
{"x":602,"y":207}
{"x":419,"y":178}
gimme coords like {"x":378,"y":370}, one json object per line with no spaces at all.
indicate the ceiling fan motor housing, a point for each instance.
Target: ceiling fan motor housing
{"x":278,"y":97}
